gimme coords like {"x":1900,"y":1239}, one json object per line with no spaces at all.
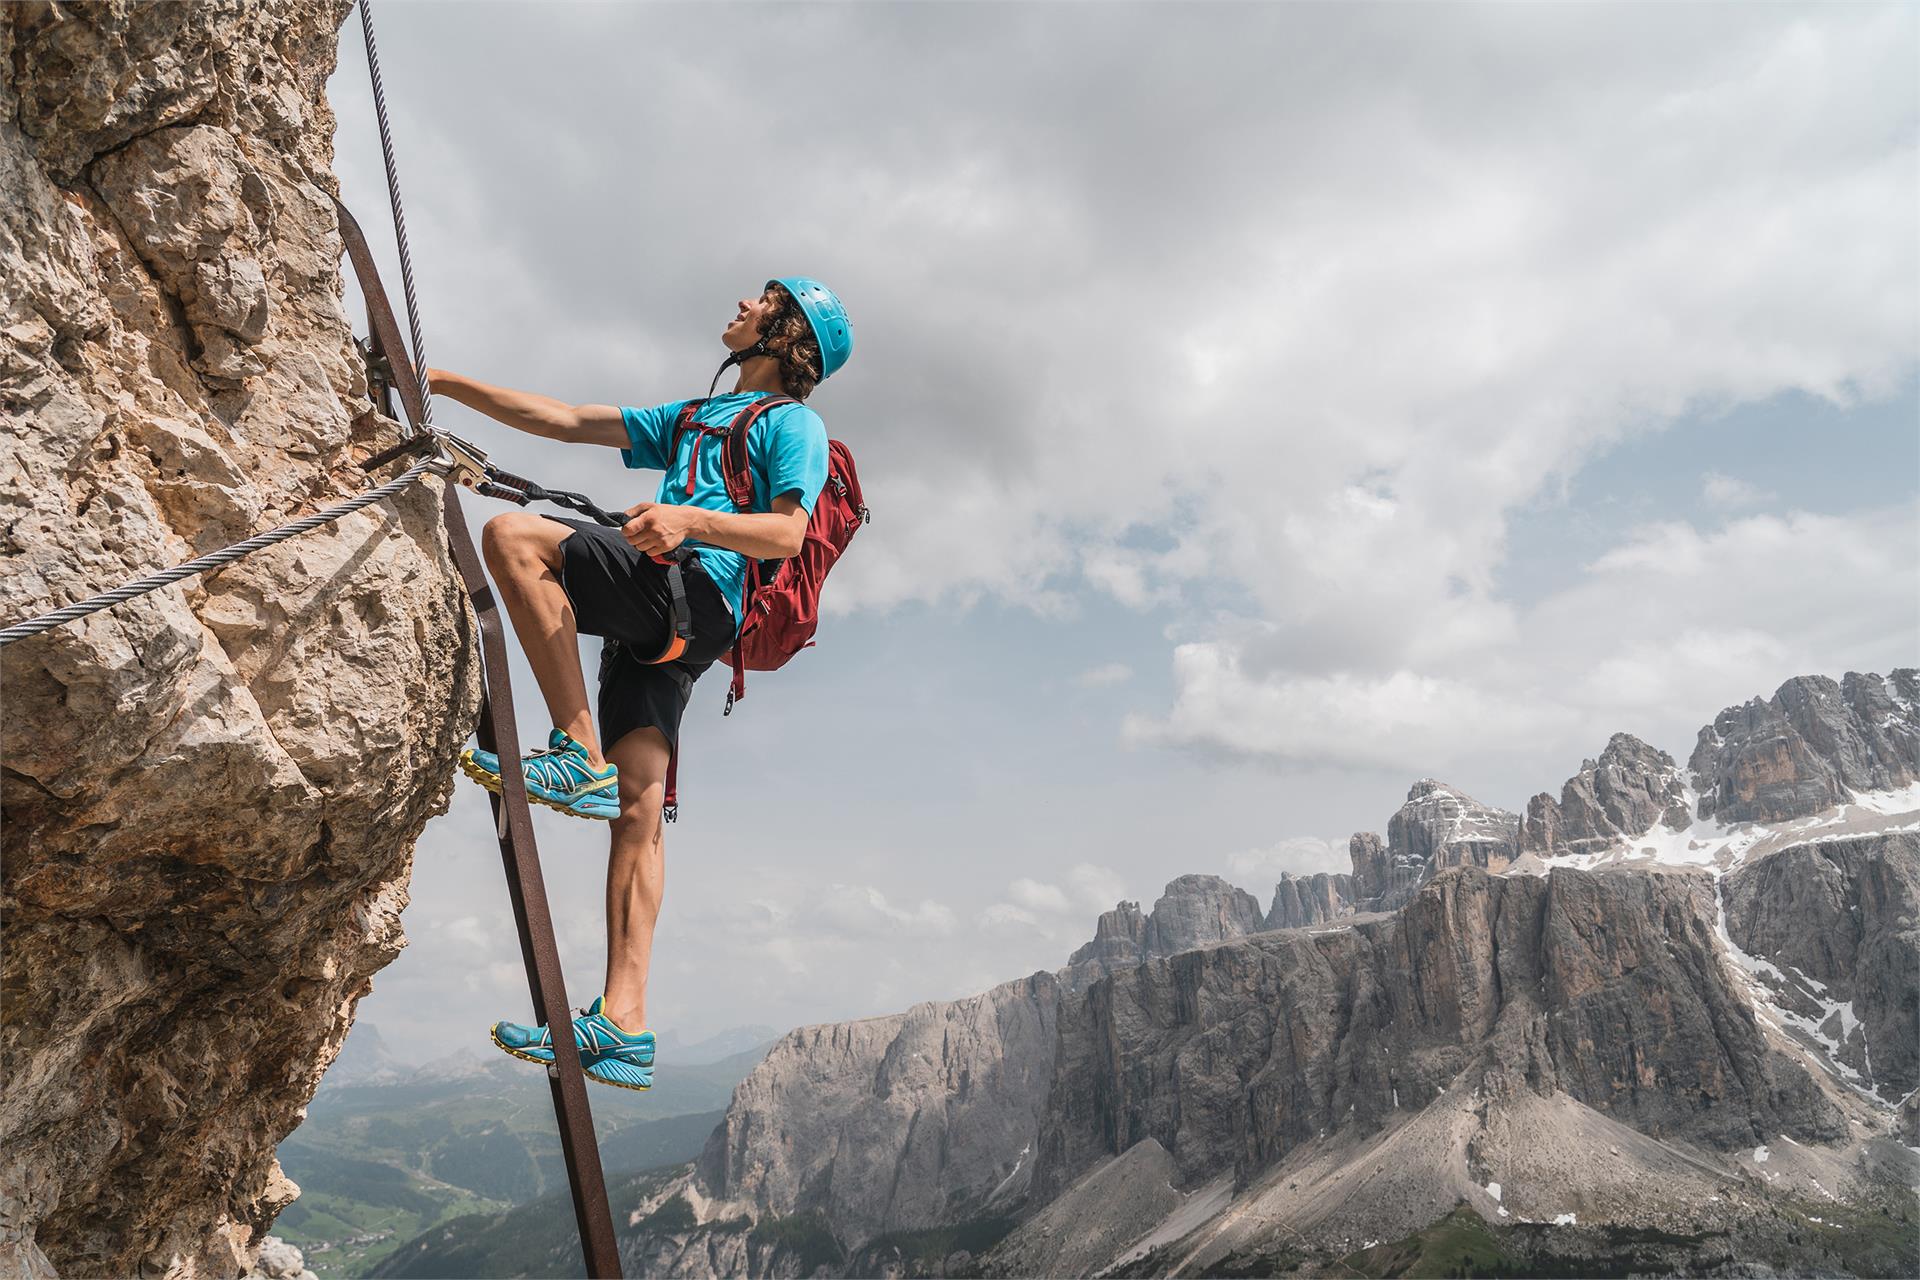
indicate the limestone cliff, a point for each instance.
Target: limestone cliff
{"x":915,"y":1118}
{"x":1614,"y":1013}
{"x":1604,"y":988}
{"x":1437,"y":827}
{"x":211,"y":794}
{"x":1810,"y":746}
{"x":1831,"y":931}
{"x":1194,"y":911}
{"x":1629,"y":790}
{"x":1300,"y":901}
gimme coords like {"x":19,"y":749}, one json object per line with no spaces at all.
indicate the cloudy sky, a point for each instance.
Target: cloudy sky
{"x":1261,"y":406}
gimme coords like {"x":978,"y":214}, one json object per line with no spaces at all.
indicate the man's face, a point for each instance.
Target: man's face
{"x":745,"y":328}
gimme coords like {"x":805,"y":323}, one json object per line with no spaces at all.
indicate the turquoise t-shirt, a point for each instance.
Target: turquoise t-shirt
{"x":786,"y":452}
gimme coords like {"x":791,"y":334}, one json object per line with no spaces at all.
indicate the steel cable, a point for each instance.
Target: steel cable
{"x":399,"y":222}
{"x":212,"y":560}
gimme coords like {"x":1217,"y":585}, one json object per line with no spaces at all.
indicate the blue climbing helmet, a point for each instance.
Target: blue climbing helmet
{"x":828,"y":318}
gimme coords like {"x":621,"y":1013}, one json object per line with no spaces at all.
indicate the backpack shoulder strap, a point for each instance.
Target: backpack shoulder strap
{"x":734,"y":461}
{"x":681,"y":425}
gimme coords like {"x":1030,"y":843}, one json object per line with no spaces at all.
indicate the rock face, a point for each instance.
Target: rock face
{"x":1617,"y":1044}
{"x":1809,"y":746}
{"x":1194,"y":911}
{"x":279,"y":1260}
{"x":912,"y":1120}
{"x":1198,"y":910}
{"x":211,"y":794}
{"x":1838,"y":922}
{"x":1605,"y":987}
{"x":1377,"y":877}
{"x":1077,"y":1233}
{"x":1308,"y":900}
{"x":1119,"y":939}
{"x":1438,"y":827}
{"x":1629,"y":790}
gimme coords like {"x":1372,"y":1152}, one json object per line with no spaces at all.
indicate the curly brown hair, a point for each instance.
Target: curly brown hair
{"x":789,"y":338}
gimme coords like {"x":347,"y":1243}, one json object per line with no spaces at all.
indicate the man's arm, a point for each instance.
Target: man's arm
{"x":659,"y":527}
{"x":534,"y":414}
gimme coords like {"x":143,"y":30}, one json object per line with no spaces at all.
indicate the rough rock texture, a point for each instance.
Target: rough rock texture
{"x":917,"y":1119}
{"x":1607,"y":988}
{"x":279,"y":1260}
{"x":1840,"y":922}
{"x":1299,"y":901}
{"x":1437,"y":827}
{"x":1194,"y":911}
{"x":1119,"y":939}
{"x":1377,"y":876}
{"x":211,"y":794}
{"x":1629,"y":790}
{"x":1619,"y":1045}
{"x":1079,"y":1232}
{"x":1809,"y":746}
{"x":725,"y":1247}
{"x":1443,"y":827}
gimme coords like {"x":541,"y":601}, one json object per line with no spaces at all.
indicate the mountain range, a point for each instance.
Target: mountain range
{"x":1667,"y":1019}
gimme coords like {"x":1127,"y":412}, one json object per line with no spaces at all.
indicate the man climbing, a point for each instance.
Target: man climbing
{"x":561,"y":578}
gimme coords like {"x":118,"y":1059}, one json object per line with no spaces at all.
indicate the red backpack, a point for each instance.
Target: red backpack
{"x":780,"y":601}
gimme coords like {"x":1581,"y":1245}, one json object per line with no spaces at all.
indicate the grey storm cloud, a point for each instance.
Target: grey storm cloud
{"x":1103,"y":258}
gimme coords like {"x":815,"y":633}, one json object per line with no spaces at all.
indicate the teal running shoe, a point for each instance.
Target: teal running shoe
{"x":600,"y":806}
{"x":607,"y":1053}
{"x":559,"y":777}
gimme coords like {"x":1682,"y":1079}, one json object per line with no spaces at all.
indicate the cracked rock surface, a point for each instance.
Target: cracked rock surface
{"x":212,"y":793}
{"x":1811,"y":745}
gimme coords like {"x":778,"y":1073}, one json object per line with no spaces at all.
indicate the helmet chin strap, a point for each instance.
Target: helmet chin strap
{"x":738,"y":357}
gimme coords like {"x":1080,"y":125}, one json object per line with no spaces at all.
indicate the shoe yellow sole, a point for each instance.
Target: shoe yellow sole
{"x":492,"y":783}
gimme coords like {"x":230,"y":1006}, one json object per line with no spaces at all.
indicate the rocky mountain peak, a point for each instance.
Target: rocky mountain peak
{"x":1119,"y":938}
{"x":1439,"y":826}
{"x":1809,"y":747}
{"x":1193,"y":911}
{"x":1197,"y":910}
{"x":1624,"y":794}
{"x":1299,"y":901}
{"x":1571,"y":1038}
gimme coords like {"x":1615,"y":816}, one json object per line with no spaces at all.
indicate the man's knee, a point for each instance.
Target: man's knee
{"x":639,"y":821}
{"x":518,"y":537}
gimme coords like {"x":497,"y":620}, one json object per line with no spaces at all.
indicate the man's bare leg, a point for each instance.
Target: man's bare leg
{"x":636,"y":874}
{"x":523,"y":551}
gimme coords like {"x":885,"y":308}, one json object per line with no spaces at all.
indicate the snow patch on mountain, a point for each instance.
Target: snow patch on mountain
{"x":1720,"y":847}
{"x":1808,"y":1032}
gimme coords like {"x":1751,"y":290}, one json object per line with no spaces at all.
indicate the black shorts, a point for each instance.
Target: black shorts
{"x":622,"y":595}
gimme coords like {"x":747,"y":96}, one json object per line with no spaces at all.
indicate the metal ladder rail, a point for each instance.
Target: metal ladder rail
{"x":513,"y":823}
